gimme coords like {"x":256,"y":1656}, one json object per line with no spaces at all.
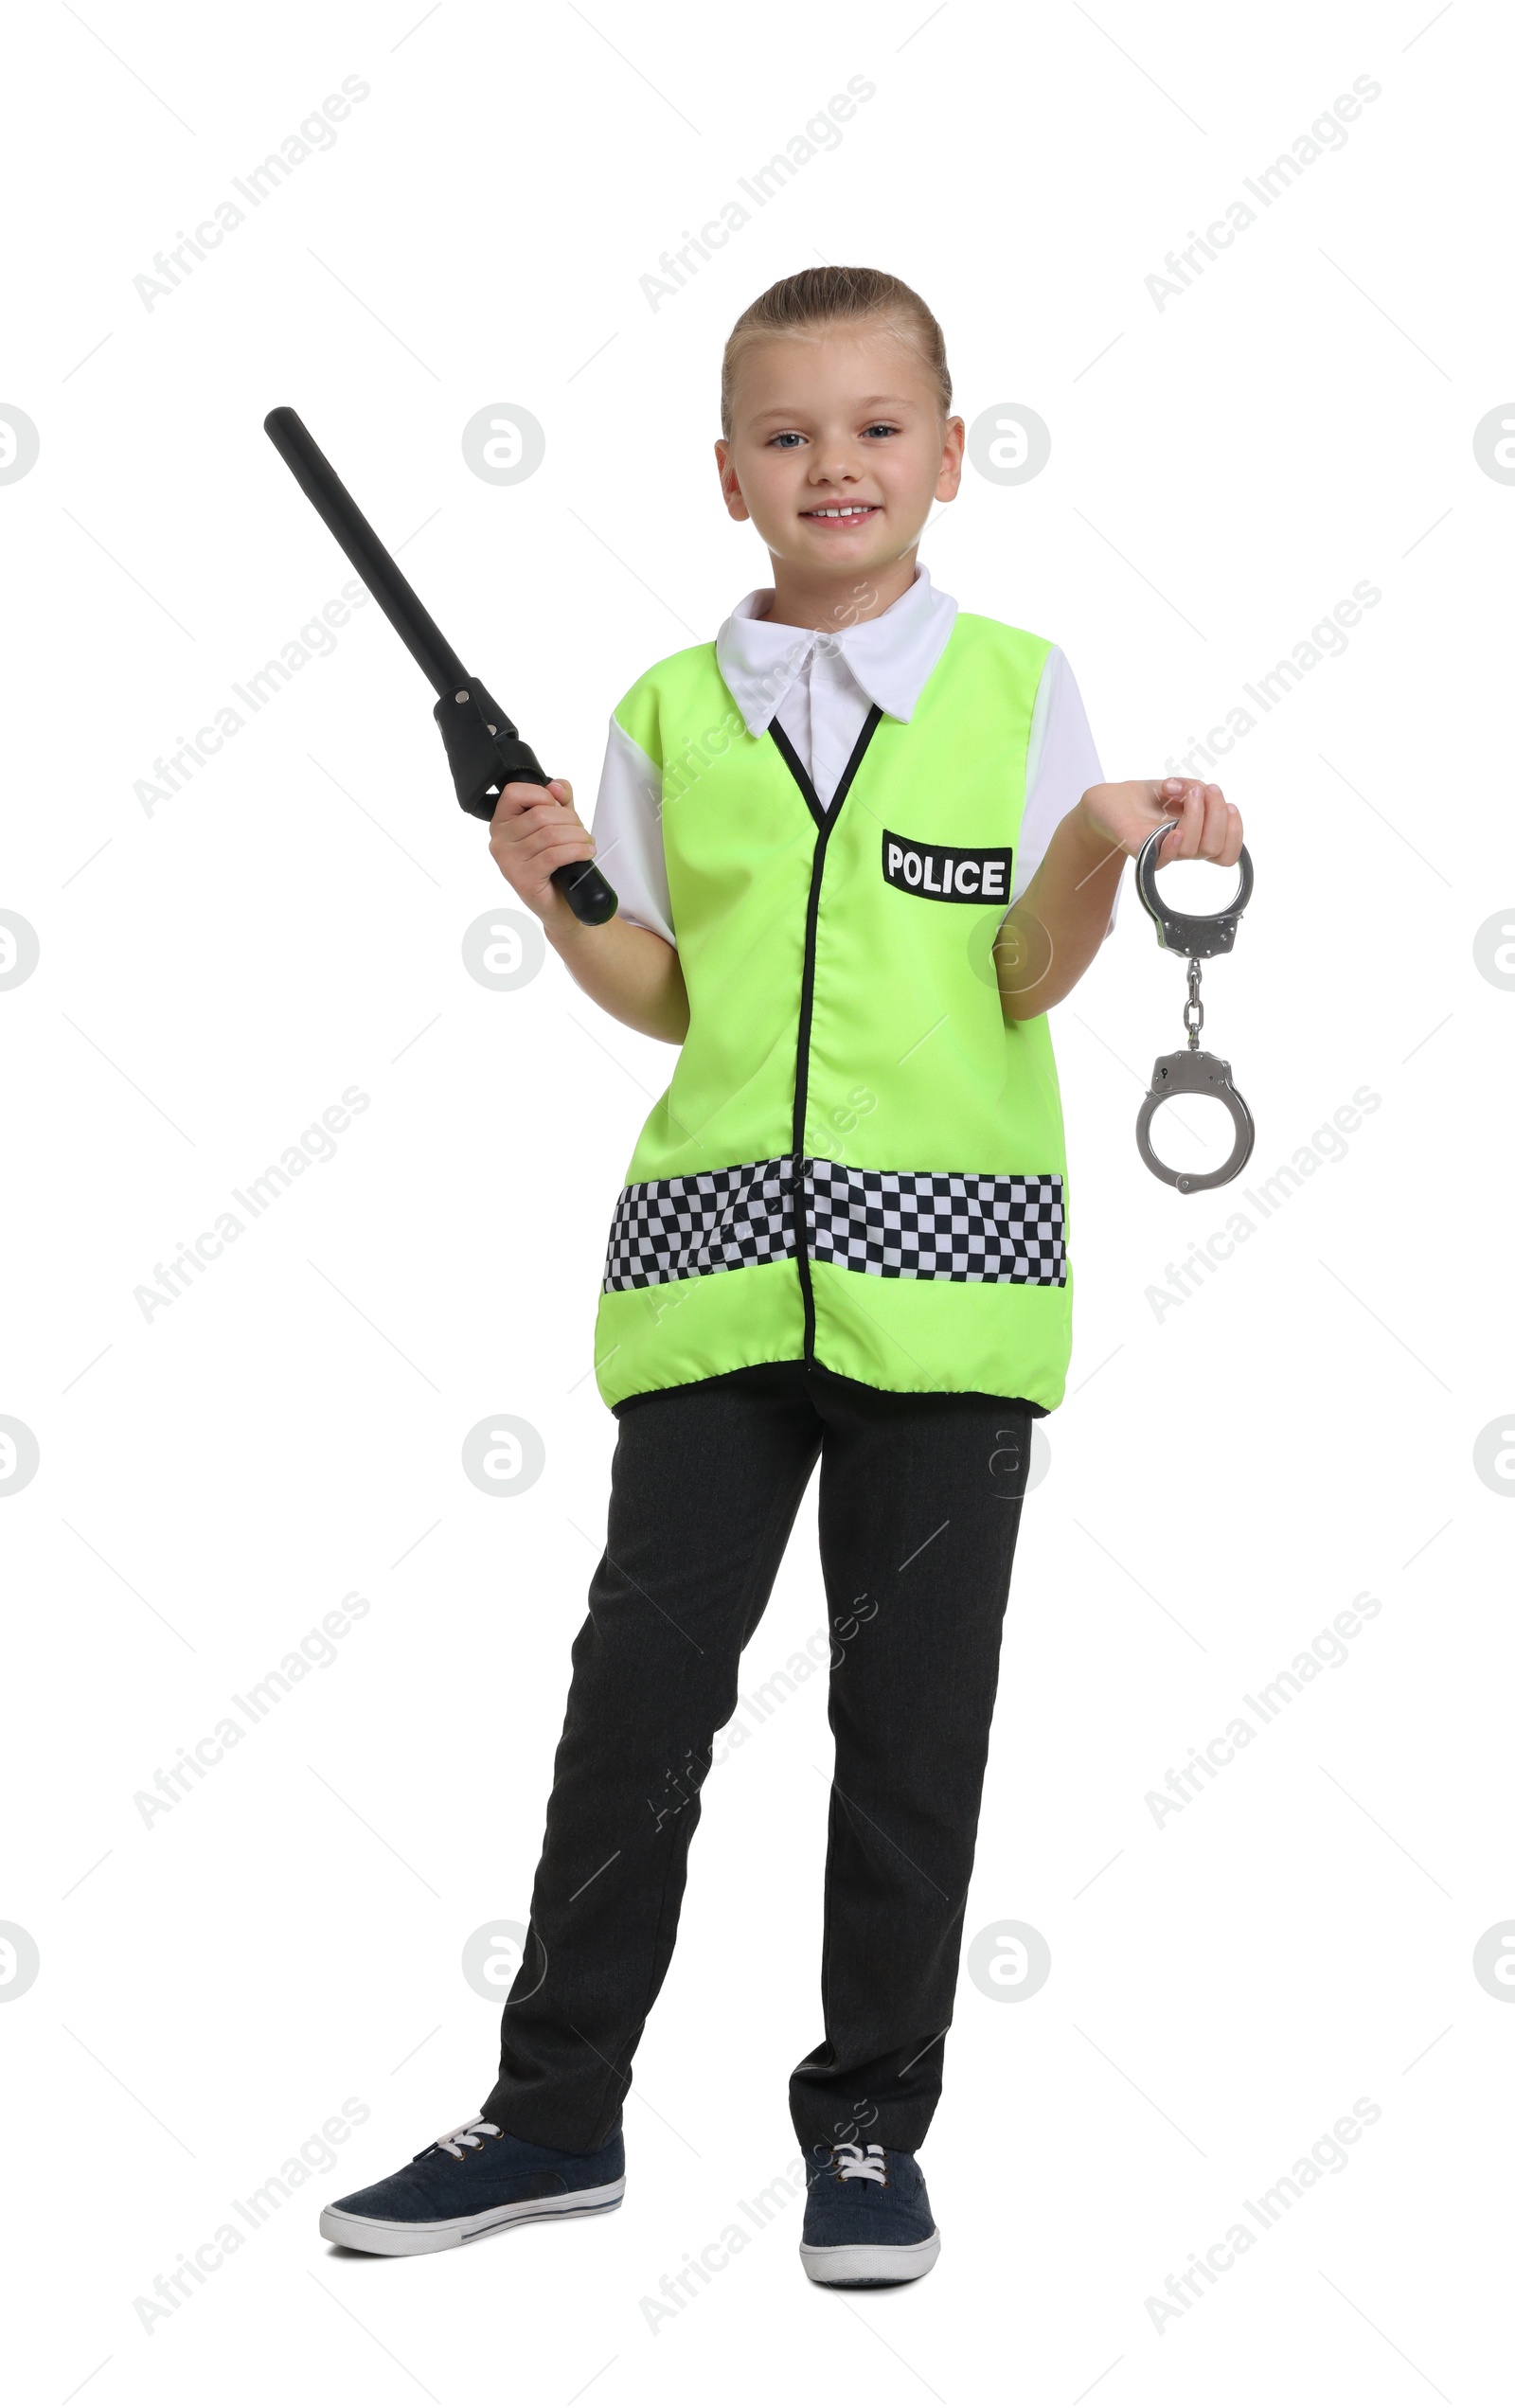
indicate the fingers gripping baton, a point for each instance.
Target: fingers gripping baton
{"x":485,"y":750}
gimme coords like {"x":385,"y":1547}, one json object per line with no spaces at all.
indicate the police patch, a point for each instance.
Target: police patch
{"x":949,"y":873}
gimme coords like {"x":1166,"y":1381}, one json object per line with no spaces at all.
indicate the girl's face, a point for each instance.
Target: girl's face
{"x":838,"y":447}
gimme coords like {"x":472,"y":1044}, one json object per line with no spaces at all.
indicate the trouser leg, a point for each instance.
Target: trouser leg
{"x":705,"y":1483}
{"x":919,"y":1506}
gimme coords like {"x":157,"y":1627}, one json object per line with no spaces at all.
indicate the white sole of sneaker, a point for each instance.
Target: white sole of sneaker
{"x":384,"y":2238}
{"x":868,"y":2262}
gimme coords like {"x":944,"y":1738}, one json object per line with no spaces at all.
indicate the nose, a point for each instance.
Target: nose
{"x":836,"y":463}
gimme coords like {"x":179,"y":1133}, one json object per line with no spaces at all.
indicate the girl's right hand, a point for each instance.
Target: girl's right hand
{"x":535,"y":830}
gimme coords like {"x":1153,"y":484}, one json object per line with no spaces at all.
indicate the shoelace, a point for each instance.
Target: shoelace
{"x":853,"y":2161}
{"x":471,"y":2137}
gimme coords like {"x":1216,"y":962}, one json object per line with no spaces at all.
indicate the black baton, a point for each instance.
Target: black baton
{"x":485,"y":751}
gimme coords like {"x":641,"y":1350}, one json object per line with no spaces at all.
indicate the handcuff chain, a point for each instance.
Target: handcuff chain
{"x":1193,"y":1008}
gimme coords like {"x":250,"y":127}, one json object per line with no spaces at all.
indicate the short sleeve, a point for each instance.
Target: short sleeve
{"x":1061,"y":766}
{"x":628,"y":832}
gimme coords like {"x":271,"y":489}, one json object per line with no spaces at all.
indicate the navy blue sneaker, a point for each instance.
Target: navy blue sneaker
{"x":468,"y":2181}
{"x":868,"y":2220}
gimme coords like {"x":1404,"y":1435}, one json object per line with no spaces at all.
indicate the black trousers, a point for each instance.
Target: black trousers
{"x":919,"y":1506}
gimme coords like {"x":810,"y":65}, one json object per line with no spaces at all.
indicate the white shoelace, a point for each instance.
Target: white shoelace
{"x":852,"y":2161}
{"x":471,"y":2137}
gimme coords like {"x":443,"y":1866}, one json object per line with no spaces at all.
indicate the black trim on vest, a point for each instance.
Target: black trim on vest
{"x":825,"y":821}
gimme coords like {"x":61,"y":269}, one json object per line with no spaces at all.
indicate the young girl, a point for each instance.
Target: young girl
{"x":861,"y":844}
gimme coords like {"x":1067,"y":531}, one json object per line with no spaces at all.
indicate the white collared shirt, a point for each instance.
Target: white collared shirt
{"x":820,"y":687}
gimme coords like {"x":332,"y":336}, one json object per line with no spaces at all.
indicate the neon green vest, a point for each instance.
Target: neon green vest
{"x":858,"y":1162}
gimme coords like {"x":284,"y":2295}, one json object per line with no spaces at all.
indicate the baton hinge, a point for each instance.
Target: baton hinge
{"x":485,"y":751}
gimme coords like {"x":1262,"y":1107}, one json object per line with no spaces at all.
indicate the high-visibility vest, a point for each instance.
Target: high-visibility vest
{"x":858,"y":1162}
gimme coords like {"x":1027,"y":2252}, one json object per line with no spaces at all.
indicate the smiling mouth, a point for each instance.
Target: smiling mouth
{"x":842,"y":514}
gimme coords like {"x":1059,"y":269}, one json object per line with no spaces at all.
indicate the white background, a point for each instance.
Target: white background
{"x":1224,"y":1480}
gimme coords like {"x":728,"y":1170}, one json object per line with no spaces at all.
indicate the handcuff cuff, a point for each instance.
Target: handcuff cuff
{"x":1193,"y":1072}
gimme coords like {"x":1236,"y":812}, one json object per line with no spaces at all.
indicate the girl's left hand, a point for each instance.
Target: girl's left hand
{"x":1209,"y":828}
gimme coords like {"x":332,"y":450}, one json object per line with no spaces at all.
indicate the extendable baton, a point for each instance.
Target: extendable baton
{"x":485,"y":750}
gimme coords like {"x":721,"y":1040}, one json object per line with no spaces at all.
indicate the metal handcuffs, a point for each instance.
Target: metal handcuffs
{"x":1193,"y":1072}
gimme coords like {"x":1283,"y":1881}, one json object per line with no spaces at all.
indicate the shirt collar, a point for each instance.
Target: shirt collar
{"x":890,"y":656}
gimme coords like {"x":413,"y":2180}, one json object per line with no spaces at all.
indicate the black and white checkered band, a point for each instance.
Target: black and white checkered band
{"x":710,"y":1221}
{"x":893,"y":1224}
{"x":924,"y":1224}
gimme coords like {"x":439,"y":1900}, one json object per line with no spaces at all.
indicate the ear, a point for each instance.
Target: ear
{"x":731,"y":489}
{"x":954,"y":438}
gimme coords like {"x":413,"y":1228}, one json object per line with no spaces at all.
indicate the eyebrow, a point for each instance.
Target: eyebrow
{"x":869,"y":402}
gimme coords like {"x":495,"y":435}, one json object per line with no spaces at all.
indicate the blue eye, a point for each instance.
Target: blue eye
{"x":787,"y":437}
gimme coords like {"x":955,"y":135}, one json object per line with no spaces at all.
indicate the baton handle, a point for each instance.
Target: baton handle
{"x":486,"y":753}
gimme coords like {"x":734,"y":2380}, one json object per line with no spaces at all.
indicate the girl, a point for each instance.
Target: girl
{"x":861,"y":845}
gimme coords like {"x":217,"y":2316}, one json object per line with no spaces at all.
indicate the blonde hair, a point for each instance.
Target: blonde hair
{"x":831,"y":296}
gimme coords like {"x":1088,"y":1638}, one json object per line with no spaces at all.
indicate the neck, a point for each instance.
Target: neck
{"x":843,"y":599}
